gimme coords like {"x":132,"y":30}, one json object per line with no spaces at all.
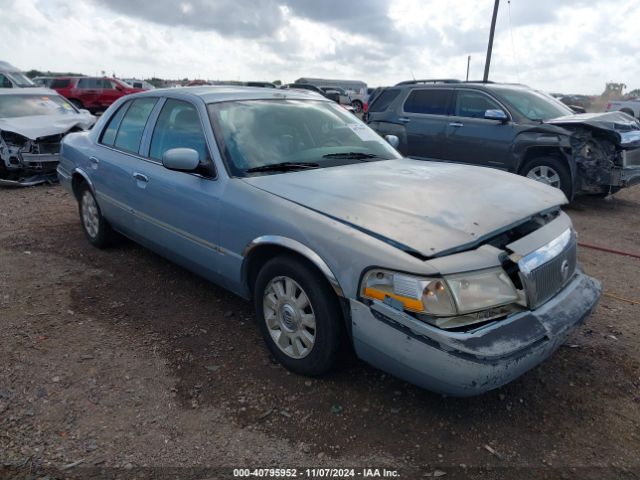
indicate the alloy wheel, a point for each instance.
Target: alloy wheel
{"x":90,"y":214}
{"x":545,"y":174}
{"x":289,"y":317}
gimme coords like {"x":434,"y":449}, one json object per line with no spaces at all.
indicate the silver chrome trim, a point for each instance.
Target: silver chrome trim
{"x":298,"y":248}
{"x":542,"y":255}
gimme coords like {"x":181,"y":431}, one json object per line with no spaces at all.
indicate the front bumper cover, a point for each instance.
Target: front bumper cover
{"x":473,"y":362}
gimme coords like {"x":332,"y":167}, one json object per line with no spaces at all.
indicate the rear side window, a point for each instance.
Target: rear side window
{"x":428,"y":101}
{"x":473,"y":104}
{"x":132,"y":126}
{"x":382,"y":101}
{"x":109,"y":134}
{"x":178,"y":126}
{"x":60,"y":83}
{"x":88,"y":83}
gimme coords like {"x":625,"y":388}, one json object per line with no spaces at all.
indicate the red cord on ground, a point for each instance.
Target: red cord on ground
{"x":608,"y":250}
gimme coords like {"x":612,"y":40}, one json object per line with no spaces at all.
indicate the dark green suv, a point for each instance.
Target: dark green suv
{"x":510,"y":127}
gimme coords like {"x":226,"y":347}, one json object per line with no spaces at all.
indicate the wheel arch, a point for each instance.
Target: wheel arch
{"x":262,"y":249}
{"x":77,"y":178}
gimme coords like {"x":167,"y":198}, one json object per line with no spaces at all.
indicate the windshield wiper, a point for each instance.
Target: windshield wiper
{"x":351,"y":155}
{"x":283,"y":167}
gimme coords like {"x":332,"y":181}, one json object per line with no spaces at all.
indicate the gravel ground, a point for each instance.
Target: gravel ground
{"x":116,"y":361}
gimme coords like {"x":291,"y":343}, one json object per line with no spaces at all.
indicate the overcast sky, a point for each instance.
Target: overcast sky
{"x":570,"y":46}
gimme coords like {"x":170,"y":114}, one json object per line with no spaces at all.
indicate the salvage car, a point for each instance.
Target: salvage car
{"x":513,"y":128}
{"x":32,"y":124}
{"x":458,"y":279}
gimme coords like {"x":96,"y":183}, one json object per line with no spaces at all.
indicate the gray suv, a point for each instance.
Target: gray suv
{"x":513,"y":128}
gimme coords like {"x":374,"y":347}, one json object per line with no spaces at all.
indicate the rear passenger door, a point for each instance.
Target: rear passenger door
{"x":116,"y":160}
{"x":425,"y":114}
{"x":87,"y":91}
{"x":178,"y":211}
{"x":470,"y":138}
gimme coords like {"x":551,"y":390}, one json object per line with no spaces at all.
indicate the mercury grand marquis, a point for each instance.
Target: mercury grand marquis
{"x":455,"y":278}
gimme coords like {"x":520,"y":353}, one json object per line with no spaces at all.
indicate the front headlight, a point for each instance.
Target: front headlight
{"x":480,"y":290}
{"x":448,"y":296}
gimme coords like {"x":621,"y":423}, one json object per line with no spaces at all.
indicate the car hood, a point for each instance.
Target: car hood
{"x":624,"y":128}
{"x":424,"y":208}
{"x":44,"y":125}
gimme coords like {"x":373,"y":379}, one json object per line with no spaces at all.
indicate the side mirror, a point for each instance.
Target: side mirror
{"x":498,"y":115}
{"x":181,"y":159}
{"x":392,"y":140}
{"x":577,"y":109}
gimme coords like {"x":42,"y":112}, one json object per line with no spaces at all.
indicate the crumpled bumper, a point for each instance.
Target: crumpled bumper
{"x":469,"y":363}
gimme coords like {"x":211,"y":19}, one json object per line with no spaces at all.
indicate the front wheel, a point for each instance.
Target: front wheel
{"x":357,"y":106}
{"x":550,"y":171}
{"x":299,"y":316}
{"x":95,"y":226}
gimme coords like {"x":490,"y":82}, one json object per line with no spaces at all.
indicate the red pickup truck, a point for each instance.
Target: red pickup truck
{"x":92,"y":93}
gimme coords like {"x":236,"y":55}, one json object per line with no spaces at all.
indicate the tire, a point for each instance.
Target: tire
{"x":306,"y":339}
{"x":550,"y":171}
{"x":95,"y":226}
{"x":77,"y":103}
{"x":357,"y":106}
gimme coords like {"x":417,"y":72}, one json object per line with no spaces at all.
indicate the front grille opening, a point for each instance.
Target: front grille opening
{"x":522,"y":230}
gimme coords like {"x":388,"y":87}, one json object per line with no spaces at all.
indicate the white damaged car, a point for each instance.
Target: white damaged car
{"x":33,"y":122}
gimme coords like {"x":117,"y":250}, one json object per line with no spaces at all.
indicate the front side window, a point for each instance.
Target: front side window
{"x":60,"y":83}
{"x":132,"y":126}
{"x":34,"y":105}
{"x":89,"y":83}
{"x":178,"y":126}
{"x":428,"y":101}
{"x":474,"y":104}
{"x":535,"y":105}
{"x":257,"y":133}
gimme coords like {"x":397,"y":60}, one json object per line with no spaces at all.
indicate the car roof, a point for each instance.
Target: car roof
{"x":225,"y":93}
{"x":28,"y":91}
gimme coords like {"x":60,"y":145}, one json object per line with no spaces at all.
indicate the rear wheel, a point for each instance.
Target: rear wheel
{"x":299,"y":316}
{"x":550,"y":171}
{"x":95,"y":226}
{"x":357,"y":106}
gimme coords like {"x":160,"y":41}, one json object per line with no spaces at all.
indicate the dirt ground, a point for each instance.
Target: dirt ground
{"x":119,"y":363}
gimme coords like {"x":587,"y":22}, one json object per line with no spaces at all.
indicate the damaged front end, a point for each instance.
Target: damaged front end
{"x":605,"y":149}
{"x":26,"y":162}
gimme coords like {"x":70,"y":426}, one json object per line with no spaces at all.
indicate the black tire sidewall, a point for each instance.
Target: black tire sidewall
{"x":566,"y":185}
{"x":103,"y":236}
{"x":329,"y":325}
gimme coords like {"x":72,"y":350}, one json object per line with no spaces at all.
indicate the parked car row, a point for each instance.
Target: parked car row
{"x":456,"y":278}
{"x":512,"y":128}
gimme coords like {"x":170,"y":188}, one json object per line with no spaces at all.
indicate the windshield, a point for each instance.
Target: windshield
{"x":32,"y":105}
{"x":535,"y":105}
{"x":256,"y":133}
{"x":19,"y":79}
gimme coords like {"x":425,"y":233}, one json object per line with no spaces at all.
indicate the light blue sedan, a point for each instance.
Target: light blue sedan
{"x":456,"y":278}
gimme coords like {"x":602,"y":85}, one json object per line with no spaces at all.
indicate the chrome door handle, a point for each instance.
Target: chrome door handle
{"x":456,"y":124}
{"x":404,"y":119}
{"x":94,"y":162}
{"x":140,"y":177}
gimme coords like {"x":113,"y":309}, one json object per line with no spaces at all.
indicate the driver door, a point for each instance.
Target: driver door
{"x":470,"y":138}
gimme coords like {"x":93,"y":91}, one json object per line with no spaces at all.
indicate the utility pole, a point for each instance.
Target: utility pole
{"x":487,"y":63}
{"x":468,"y":62}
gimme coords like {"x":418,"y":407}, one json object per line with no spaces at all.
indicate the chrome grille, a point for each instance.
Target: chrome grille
{"x":547,"y":279}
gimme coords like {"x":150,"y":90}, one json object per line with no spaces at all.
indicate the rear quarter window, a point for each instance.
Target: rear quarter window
{"x":132,"y":126}
{"x":428,"y":101}
{"x":109,"y":133}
